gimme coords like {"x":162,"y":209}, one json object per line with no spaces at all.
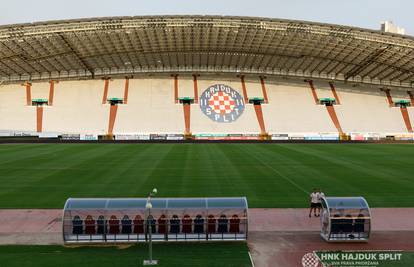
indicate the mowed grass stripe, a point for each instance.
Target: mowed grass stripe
{"x":373,"y":175}
{"x":270,"y":175}
{"x":182,"y":254}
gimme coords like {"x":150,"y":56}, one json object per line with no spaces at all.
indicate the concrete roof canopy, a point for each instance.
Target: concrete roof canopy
{"x":89,"y":48}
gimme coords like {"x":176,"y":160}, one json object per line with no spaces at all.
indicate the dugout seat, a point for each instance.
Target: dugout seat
{"x":174,"y":224}
{"x":348,"y":224}
{"x":223,"y":224}
{"x":211,"y":224}
{"x":126,"y":223}
{"x":151,"y":223}
{"x":359,"y":225}
{"x":187,"y":224}
{"x":162,"y":224}
{"x":199,"y":224}
{"x":113,"y":225}
{"x":90,"y":227}
{"x":77,"y":225}
{"x":101,"y":229}
{"x":138,"y":225}
{"x":335,"y":225}
{"x":234,"y":224}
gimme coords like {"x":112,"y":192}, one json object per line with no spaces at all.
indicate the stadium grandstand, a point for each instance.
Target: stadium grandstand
{"x":204,"y":77}
{"x":113,"y":134}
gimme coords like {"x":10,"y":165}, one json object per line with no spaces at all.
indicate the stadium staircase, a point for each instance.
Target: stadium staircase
{"x":410,"y":93}
{"x":264,"y":92}
{"x":39,"y":103}
{"x":114,"y":102}
{"x":329,"y":106}
{"x":186,"y":101}
{"x":257,"y":104}
{"x":406,"y":118}
{"x":403,"y":108}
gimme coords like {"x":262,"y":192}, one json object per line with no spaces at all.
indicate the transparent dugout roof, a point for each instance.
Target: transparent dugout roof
{"x":342,"y":203}
{"x":157,"y":203}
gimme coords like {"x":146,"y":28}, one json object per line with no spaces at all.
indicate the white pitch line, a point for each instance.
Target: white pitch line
{"x":251,"y":259}
{"x":280,"y":174}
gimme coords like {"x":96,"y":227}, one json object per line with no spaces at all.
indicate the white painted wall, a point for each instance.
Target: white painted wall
{"x":78,"y":108}
{"x":14,"y":114}
{"x":292,"y":108}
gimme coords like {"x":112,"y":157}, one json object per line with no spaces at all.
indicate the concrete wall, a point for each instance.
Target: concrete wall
{"x":292,"y":108}
{"x":14,"y":113}
{"x":151,"y":107}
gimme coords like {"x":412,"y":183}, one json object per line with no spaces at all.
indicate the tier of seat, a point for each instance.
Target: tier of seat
{"x":151,"y":108}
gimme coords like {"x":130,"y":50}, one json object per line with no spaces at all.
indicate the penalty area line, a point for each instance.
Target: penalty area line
{"x":251,"y":259}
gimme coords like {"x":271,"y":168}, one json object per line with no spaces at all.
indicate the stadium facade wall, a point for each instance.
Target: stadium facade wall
{"x":77,"y":108}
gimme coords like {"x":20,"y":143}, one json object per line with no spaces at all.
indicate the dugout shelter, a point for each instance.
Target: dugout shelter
{"x":109,"y":220}
{"x":345,"y":219}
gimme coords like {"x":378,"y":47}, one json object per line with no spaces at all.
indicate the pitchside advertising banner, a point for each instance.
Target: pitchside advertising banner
{"x":280,"y":136}
{"x":227,"y":136}
{"x":357,"y":259}
{"x":158,"y":136}
{"x":70,"y":136}
{"x":88,"y":137}
{"x":174,"y":137}
{"x":132,"y":137}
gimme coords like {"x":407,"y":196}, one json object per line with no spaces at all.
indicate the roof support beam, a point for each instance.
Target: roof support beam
{"x":84,"y":63}
{"x":365,"y":63}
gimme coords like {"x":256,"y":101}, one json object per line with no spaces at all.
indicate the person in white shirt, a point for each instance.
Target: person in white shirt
{"x":320,"y":196}
{"x":313,"y":202}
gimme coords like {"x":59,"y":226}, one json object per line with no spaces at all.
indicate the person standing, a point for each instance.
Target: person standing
{"x":313,"y":202}
{"x":320,"y":196}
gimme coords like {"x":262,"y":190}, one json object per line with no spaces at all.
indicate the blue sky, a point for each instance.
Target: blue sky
{"x":361,"y":13}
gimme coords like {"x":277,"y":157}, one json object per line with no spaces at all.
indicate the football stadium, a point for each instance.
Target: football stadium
{"x":203,"y":140}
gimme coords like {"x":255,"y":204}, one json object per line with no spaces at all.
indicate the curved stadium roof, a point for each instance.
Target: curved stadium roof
{"x":89,"y":48}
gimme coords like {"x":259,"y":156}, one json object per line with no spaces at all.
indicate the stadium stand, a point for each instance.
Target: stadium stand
{"x":292,"y":109}
{"x":149,"y":77}
{"x":77,"y":109}
{"x":151,"y":108}
{"x":368,"y":111}
{"x":15,"y":113}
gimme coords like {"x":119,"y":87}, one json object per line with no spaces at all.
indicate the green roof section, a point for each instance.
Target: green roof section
{"x":402,"y":101}
{"x":327,"y":99}
{"x":186,"y":98}
{"x":40,"y":100}
{"x":256,"y":98}
{"x":115,"y":99}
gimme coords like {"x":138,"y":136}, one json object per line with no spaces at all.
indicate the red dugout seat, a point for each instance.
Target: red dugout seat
{"x":234,"y":224}
{"x":211,"y":224}
{"x":162,"y":224}
{"x":113,"y":225}
{"x":187,"y":227}
{"x":138,"y":225}
{"x":90,"y":228}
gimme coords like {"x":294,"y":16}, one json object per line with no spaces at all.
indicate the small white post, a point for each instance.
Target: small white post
{"x":148,"y":206}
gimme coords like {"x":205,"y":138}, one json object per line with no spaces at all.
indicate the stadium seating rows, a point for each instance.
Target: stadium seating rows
{"x":152,"y":107}
{"x":174,"y":225}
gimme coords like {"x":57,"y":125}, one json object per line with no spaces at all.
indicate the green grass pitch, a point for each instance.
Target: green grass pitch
{"x":183,"y":254}
{"x":269,"y":175}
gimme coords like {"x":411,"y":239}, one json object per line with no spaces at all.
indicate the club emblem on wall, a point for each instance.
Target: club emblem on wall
{"x":221,"y":103}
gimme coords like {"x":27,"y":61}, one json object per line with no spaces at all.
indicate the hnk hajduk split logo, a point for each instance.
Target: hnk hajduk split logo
{"x":353,"y":258}
{"x":221,"y":103}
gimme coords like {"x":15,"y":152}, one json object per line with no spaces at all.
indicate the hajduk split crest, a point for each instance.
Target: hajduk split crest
{"x":221,"y":103}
